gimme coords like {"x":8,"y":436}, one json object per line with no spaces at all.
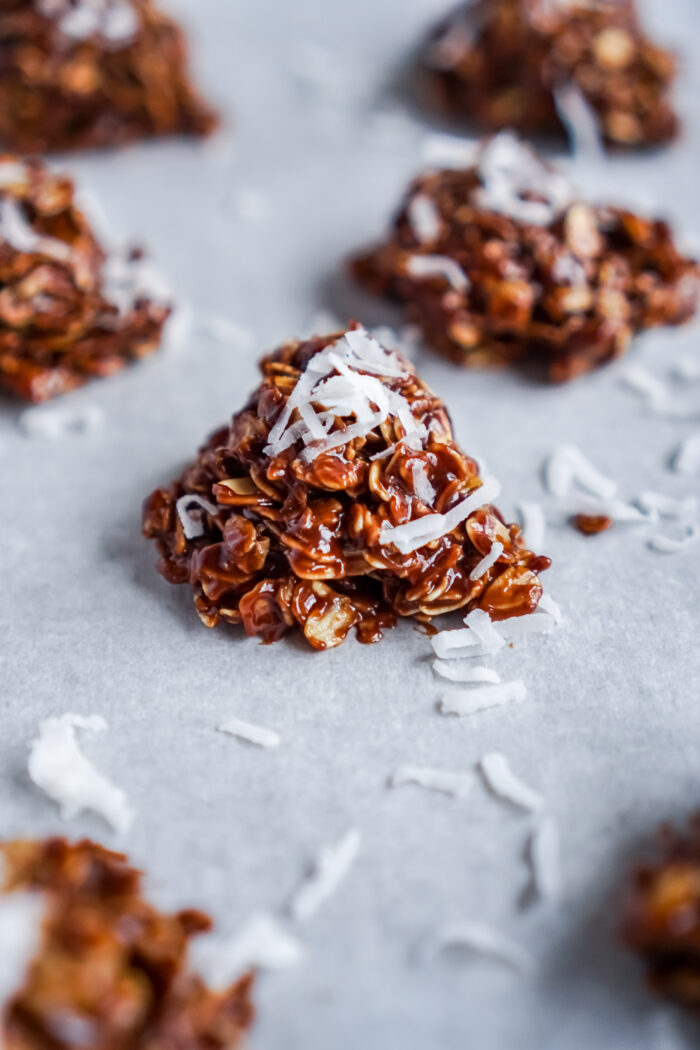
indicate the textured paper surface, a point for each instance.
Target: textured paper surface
{"x":610,"y":731}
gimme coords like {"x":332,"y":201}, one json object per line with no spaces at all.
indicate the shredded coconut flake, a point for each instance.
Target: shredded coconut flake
{"x":640,"y":381}
{"x":448,"y":151}
{"x":129,"y":280}
{"x":421,"y":483}
{"x":668,"y":506}
{"x":568,"y":466}
{"x":17,"y":231}
{"x":686,"y":458}
{"x":581,"y":123}
{"x":503,"y":782}
{"x":657,"y":394}
{"x":193,"y":527}
{"x":545,"y":859}
{"x":682,"y":411}
{"x":533,"y":524}
{"x":12,"y":173}
{"x":58,"y":767}
{"x":549,"y":605}
{"x":515,"y":182}
{"x":331,"y":867}
{"x":457,"y":784}
{"x":415,"y":534}
{"x":481,"y":624}
{"x":617,"y":509}
{"x":457,"y":644}
{"x":252,"y":733}
{"x":457,"y":671}
{"x":482,"y":940}
{"x":686,"y":369}
{"x":354,"y":390}
{"x":424,"y":218}
{"x":515,"y":627}
{"x":480,"y":638}
{"x":670,"y":545}
{"x":262,"y":944}
{"x":427,"y":266}
{"x":178,"y":328}
{"x":483,"y":637}
{"x":487,"y":562}
{"x":57,"y":421}
{"x":116,"y":21}
{"x":21,"y":919}
{"x":472,"y":701}
{"x":569,"y":270}
{"x":120,"y":23}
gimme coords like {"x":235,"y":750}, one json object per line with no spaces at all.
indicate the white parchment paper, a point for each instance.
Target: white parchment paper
{"x":610,"y":732}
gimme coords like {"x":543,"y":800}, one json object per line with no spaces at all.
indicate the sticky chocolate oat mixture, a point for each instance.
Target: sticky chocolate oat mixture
{"x":111,"y":971}
{"x":337,"y":498}
{"x":77,"y":74}
{"x":68,"y":311}
{"x":501,"y":263}
{"x":662,"y":915}
{"x":524,"y":64}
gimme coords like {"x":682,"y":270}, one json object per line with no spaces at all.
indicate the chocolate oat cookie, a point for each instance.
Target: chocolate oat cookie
{"x":99,"y":966}
{"x":503,"y":263}
{"x":533,"y":64}
{"x":337,"y":498}
{"x":77,"y":74}
{"x":68,"y":310}
{"x":662,"y":915}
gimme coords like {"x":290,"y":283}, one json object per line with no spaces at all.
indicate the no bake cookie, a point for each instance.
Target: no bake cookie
{"x":337,"y":498}
{"x":97,"y":965}
{"x":662,"y":915}
{"x":69,"y":310}
{"x":540,"y":66}
{"x":78,"y":74}
{"x":503,"y":263}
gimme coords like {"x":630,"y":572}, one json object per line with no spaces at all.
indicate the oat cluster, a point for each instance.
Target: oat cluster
{"x":68,"y":310}
{"x":297,"y":537}
{"x":501,"y":263}
{"x":662,"y":915}
{"x":86,"y":75}
{"x":111,"y":972}
{"x":510,"y":63}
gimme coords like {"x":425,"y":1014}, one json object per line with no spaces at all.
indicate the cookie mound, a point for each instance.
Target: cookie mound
{"x":543,"y":66}
{"x":69,"y":310}
{"x":337,"y":498}
{"x":503,"y":263}
{"x":98,"y":965}
{"x":662,"y":915}
{"x":87,"y":74}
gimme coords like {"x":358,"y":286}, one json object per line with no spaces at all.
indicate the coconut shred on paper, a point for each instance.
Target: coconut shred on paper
{"x":261,"y":944}
{"x":332,"y":865}
{"x":59,"y":768}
